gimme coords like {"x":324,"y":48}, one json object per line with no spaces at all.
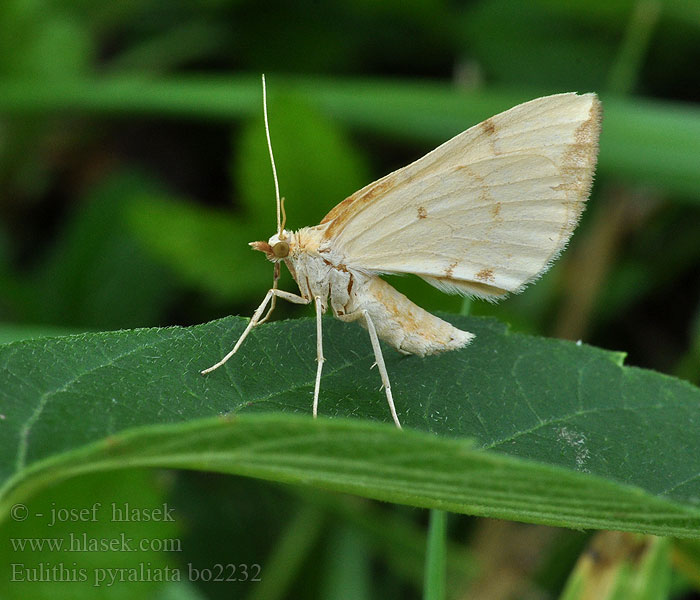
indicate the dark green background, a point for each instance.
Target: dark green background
{"x":133,"y":172}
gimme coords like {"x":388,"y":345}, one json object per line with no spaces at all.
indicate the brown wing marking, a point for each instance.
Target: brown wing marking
{"x":341,"y":213}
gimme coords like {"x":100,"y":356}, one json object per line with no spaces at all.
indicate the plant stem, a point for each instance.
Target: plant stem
{"x":436,"y":556}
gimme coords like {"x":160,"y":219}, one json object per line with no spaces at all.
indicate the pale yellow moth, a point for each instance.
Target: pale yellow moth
{"x":484,"y":214}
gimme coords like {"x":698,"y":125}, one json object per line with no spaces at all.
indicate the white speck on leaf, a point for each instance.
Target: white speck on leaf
{"x":577,"y":441}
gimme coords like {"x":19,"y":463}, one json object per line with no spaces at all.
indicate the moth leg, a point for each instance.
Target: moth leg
{"x":275,"y":279}
{"x":319,"y":353}
{"x":255,"y":320}
{"x":379,"y":358}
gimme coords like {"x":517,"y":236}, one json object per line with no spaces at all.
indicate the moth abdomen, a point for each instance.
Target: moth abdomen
{"x":406,"y":326}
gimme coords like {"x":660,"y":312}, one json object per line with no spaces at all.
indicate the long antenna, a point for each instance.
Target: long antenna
{"x":272,"y":160}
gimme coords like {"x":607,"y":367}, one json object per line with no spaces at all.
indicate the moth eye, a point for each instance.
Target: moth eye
{"x":281,"y":249}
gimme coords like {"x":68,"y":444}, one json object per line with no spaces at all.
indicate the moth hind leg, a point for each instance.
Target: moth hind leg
{"x":379,"y":358}
{"x":320,"y":359}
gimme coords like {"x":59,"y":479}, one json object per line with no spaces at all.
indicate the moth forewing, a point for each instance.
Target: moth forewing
{"x":483,"y":214}
{"x":489,"y":210}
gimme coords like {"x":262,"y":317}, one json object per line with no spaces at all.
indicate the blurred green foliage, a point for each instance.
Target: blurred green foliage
{"x":133,"y":173}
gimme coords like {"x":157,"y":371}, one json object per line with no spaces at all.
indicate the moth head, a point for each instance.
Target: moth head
{"x":276,"y":248}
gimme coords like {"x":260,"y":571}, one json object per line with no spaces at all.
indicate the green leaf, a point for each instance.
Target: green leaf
{"x":575,"y":439}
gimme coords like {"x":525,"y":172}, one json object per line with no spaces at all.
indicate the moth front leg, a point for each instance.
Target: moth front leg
{"x":255,"y":320}
{"x":275,"y":280}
